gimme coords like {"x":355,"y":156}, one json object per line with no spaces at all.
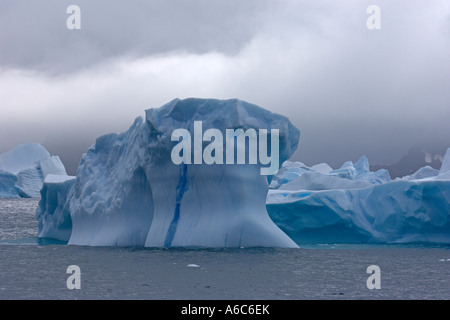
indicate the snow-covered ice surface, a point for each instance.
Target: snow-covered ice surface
{"x":24,"y":168}
{"x":353,"y":205}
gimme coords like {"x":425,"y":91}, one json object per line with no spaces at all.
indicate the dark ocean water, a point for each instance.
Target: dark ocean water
{"x":37,"y":269}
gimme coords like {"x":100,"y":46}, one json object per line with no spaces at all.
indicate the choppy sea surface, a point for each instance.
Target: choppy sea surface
{"x":32,"y":268}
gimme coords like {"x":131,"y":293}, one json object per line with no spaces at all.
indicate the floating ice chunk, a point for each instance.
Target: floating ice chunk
{"x":192,"y":265}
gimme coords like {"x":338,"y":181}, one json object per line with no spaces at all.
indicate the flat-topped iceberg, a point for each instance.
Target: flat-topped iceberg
{"x":129,"y":191}
{"x":24,"y":168}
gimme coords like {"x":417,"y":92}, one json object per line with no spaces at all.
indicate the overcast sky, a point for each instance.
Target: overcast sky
{"x":350,"y":90}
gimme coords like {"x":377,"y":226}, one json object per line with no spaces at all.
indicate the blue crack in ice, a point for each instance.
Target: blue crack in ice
{"x":181,"y":189}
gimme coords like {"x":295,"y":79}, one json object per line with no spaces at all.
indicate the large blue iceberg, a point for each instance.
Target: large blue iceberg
{"x":129,"y":192}
{"x":353,"y":205}
{"x":24,"y":168}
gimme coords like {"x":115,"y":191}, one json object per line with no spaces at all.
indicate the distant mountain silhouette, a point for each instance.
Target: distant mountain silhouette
{"x":418,"y":156}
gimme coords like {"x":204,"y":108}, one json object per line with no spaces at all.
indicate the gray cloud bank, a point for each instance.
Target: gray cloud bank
{"x":350,"y":90}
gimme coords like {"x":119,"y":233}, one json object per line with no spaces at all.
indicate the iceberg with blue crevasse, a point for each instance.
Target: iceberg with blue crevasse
{"x":128,"y":191}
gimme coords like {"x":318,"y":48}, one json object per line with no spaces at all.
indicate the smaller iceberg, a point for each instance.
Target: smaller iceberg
{"x":354,"y":205}
{"x":24,"y":168}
